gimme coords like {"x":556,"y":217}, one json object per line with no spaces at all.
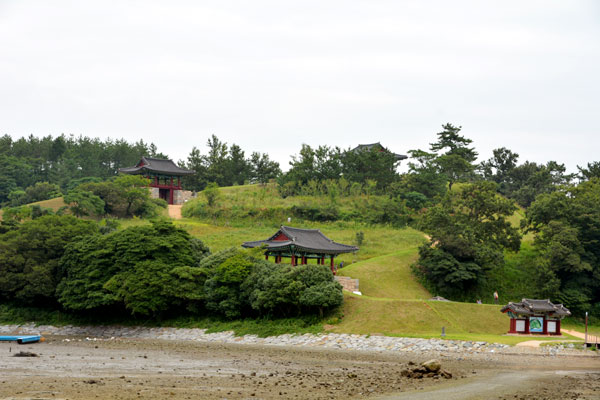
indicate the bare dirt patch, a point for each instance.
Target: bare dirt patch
{"x":174,"y":211}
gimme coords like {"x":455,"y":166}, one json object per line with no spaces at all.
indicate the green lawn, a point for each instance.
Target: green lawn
{"x":377,"y":239}
{"x":392,"y":317}
{"x":388,"y":276}
{"x":363,"y":314}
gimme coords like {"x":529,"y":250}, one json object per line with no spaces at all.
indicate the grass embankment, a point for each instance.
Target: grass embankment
{"x":388,"y":276}
{"x":394,"y":303}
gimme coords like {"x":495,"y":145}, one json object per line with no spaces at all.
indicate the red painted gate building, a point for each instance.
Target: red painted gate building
{"x":165,"y":176}
{"x":535,"y":317}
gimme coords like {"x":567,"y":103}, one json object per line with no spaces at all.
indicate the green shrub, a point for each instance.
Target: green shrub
{"x":314,"y":213}
{"x":143,"y":269}
{"x":30,"y":254}
{"x":278,"y":289}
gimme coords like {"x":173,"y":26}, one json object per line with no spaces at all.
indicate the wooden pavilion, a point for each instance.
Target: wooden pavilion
{"x":535,"y":317}
{"x":165,"y":176}
{"x":378,"y":147}
{"x":300,"y":245}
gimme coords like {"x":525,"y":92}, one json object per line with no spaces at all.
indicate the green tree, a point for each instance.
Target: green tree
{"x":222,"y":288}
{"x":42,"y":191}
{"x":374,"y":164}
{"x":142,"y":269}
{"x":17,"y":197}
{"x":238,"y":168}
{"x":457,"y":160}
{"x":83,"y":203}
{"x":212,"y":194}
{"x":566,"y":224}
{"x":30,"y":255}
{"x":279,"y":289}
{"x":134,"y":189}
{"x":468,"y":232}
{"x":262,"y":169}
{"x":424,"y":175}
{"x":195,"y":162}
{"x":217,"y":161}
{"x":592,"y":171}
{"x":499,"y":168}
{"x":302,"y":166}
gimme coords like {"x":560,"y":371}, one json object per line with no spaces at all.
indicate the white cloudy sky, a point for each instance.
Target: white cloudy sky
{"x":271,"y":75}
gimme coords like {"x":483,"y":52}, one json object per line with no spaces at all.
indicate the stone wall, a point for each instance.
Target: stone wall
{"x":347,"y":283}
{"x":181,"y":196}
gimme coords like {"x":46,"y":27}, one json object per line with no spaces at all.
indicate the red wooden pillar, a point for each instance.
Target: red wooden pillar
{"x":545,"y":326}
{"x":527,"y":325}
{"x":331,"y":266}
{"x":558,"y":326}
{"x":293,"y":260}
{"x":156,"y":180}
{"x":304,"y":260}
{"x":513,"y":326}
{"x":267,"y":256}
{"x":171,"y":193}
{"x":323,"y":260}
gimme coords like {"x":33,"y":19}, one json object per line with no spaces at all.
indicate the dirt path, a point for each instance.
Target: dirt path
{"x":591,"y":339}
{"x":537,"y":343}
{"x":155,"y":369}
{"x":174,"y":211}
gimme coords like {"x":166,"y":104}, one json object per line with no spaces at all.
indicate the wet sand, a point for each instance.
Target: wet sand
{"x":161,"y":369}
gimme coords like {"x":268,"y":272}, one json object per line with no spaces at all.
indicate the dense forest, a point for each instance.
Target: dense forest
{"x":466,"y":207}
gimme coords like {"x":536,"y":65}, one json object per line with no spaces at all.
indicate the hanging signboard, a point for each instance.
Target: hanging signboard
{"x":536,"y":324}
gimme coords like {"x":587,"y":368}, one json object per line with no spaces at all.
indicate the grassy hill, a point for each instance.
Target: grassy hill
{"x":393,"y":302}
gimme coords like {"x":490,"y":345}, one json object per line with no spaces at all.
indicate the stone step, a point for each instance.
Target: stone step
{"x":347,"y":283}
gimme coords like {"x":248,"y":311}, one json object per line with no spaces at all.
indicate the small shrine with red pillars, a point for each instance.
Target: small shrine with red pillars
{"x":535,"y":317}
{"x":165,"y":177}
{"x":301,"y":245}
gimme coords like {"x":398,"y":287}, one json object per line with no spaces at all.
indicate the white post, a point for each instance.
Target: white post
{"x":586,"y":320}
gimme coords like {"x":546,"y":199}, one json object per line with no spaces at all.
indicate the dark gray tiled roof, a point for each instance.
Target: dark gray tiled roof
{"x":368,"y":147}
{"x":302,"y":240}
{"x":531,"y":307}
{"x":156,"y":165}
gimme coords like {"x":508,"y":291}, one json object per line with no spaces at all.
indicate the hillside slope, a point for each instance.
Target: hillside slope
{"x":394,"y":303}
{"x":388,"y":276}
{"x":367,"y":315}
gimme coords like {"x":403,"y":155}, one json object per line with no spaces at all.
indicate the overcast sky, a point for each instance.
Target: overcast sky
{"x":271,"y":75}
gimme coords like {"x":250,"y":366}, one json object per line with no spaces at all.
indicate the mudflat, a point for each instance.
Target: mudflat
{"x":171,"y":369}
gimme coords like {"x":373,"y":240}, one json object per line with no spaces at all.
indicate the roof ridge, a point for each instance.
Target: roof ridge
{"x":300,"y":229}
{"x":158,"y":159}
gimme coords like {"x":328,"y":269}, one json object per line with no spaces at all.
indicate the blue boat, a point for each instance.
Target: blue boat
{"x":22,"y":339}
